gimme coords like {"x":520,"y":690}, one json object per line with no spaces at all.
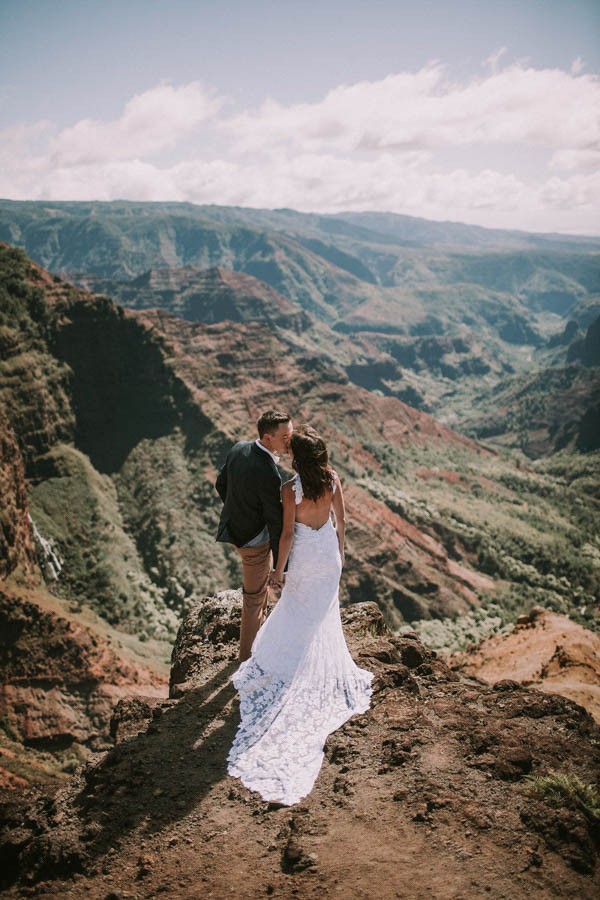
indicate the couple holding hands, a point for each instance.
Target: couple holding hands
{"x":296,"y":680}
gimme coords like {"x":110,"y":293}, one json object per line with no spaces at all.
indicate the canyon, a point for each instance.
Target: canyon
{"x":463,"y":422}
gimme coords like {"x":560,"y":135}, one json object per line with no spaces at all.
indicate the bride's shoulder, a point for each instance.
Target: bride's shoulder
{"x":337,"y":482}
{"x":292,"y":490}
{"x":289,"y":486}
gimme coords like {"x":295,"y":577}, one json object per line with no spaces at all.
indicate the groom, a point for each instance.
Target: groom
{"x":249,"y":485}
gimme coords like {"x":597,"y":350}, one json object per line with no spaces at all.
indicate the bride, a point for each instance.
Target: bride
{"x":300,"y":683}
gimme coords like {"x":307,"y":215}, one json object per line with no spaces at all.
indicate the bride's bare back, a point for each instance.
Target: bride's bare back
{"x":314,"y":514}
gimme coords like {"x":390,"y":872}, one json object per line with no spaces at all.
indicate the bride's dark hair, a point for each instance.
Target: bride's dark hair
{"x":311,"y":461}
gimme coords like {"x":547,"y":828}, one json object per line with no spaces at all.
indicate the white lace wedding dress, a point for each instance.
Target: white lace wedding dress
{"x":300,"y":683}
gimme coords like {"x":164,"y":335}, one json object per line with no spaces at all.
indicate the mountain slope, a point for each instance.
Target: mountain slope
{"x":62,"y":674}
{"x":79,"y":398}
{"x":376,"y":227}
{"x":153,"y":401}
{"x":551,"y":409}
{"x":321,"y":261}
{"x":210,"y":295}
{"x":377,"y":277}
{"x":119,"y":421}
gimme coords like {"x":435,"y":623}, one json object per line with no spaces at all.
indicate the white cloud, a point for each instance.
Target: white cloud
{"x":584,"y":160}
{"x":575,"y":191}
{"x":424,"y":111}
{"x":387,"y":145}
{"x":495,"y":58}
{"x":329,"y":184}
{"x":151,"y":121}
{"x":20,"y":140}
{"x":350,"y":117}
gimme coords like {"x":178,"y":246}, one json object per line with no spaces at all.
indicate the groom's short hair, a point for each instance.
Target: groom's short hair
{"x":270,"y":421}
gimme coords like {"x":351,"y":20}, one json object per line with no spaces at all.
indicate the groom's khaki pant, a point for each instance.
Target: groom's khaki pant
{"x":256,"y":565}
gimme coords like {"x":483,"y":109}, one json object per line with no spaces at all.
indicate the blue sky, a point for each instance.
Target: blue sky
{"x":475,"y":111}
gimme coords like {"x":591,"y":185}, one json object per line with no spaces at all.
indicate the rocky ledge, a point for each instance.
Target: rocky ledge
{"x":423,"y":795}
{"x":544,"y":650}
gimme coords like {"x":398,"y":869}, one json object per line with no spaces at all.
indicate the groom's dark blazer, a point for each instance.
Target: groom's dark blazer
{"x":249,"y":485}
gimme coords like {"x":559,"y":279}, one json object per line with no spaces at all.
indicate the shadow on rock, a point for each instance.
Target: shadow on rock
{"x":151,"y":779}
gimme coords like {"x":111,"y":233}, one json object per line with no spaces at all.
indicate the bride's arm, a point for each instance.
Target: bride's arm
{"x":287,"y":531}
{"x":340,"y":515}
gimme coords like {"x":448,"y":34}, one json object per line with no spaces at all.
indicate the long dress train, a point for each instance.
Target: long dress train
{"x":300,"y":683}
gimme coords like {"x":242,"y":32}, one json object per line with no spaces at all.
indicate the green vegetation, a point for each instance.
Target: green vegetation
{"x":77,"y":508}
{"x":173,"y":512}
{"x":535,"y":531}
{"x":24,"y":311}
{"x":34,"y":390}
{"x":565,"y":789}
{"x":26,"y":765}
{"x":449,"y":635}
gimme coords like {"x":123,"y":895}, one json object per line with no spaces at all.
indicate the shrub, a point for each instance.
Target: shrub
{"x":561,"y":788}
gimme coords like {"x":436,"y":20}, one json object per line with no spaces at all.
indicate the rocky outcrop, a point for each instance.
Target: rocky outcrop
{"x":206,"y":637}
{"x":59,"y":679}
{"x":436,"y":769}
{"x":544,"y":650}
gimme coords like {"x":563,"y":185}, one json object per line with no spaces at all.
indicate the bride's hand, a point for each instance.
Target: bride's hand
{"x":276,"y":579}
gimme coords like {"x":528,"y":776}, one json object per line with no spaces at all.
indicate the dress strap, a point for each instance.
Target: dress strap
{"x":297,"y":486}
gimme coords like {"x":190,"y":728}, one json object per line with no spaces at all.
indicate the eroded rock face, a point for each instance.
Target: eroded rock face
{"x":60,"y":681}
{"x":209,"y":359}
{"x":17,"y":546}
{"x":206,"y":295}
{"x":433,"y":770}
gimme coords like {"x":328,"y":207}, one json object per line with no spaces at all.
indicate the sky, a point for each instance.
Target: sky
{"x":479,"y":112}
